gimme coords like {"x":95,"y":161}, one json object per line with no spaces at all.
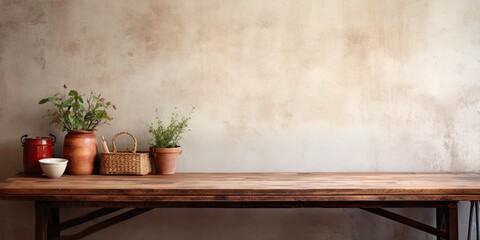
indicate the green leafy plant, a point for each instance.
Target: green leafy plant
{"x":72,"y":112}
{"x":168,"y":136}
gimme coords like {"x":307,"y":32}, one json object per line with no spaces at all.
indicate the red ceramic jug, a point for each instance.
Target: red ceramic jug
{"x":35,"y":149}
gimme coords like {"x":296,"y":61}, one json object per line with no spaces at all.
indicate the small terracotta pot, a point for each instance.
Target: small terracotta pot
{"x":165,"y":159}
{"x":80,"y":148}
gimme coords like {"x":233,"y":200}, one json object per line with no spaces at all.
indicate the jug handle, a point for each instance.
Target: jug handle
{"x":54,"y":139}
{"x":22,"y":139}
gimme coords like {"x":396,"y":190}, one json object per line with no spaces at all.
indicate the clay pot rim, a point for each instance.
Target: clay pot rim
{"x":174,"y":149}
{"x":80,"y":131}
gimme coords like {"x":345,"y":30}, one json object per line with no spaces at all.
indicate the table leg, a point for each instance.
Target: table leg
{"x":447,"y":220}
{"x":452,"y":225}
{"x":441,"y":223}
{"x":476,"y":219}
{"x":47,"y":220}
{"x":41,"y":222}
{"x":470,"y":220}
{"x":54,"y":221}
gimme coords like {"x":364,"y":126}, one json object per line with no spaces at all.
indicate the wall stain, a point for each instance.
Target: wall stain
{"x":470,"y":16}
{"x":58,"y":5}
{"x":373,"y":32}
{"x":40,"y":58}
{"x":71,"y":48}
{"x":96,"y":51}
{"x":5,"y":28}
{"x":40,"y":18}
{"x":160,"y":29}
{"x":468,"y":97}
{"x":8,"y":26}
{"x":3,"y":93}
{"x":105,"y":79}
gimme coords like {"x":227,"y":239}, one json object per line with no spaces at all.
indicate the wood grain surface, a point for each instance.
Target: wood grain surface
{"x":225,"y":187}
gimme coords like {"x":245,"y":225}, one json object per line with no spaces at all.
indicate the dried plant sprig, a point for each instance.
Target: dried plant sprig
{"x":72,"y":112}
{"x":168,"y":136}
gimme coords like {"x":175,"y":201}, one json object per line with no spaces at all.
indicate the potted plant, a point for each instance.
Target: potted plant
{"x":164,"y":143}
{"x":79,"y":116}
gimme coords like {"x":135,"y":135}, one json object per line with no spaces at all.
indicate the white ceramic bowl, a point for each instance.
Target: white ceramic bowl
{"x":53,"y":167}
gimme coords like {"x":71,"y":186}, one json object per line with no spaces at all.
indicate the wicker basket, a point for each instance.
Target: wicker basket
{"x":125,"y":162}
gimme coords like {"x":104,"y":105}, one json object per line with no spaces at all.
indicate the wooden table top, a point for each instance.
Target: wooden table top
{"x":225,"y":187}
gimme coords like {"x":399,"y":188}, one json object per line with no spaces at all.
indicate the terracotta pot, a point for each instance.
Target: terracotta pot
{"x":165,"y":159}
{"x":80,"y":148}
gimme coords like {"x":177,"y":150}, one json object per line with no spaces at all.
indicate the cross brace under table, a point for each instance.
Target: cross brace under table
{"x":49,"y":226}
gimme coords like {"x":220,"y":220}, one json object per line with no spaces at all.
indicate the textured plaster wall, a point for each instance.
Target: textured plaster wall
{"x":280,"y":85}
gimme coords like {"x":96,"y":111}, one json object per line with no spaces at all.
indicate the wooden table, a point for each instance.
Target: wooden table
{"x":368,"y":191}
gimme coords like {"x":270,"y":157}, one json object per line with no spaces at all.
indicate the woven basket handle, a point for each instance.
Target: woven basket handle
{"x":134,"y":141}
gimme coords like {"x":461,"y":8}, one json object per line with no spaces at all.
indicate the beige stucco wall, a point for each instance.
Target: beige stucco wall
{"x":280,"y":85}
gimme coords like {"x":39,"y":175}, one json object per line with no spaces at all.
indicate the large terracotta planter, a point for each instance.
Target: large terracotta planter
{"x":80,"y":148}
{"x":165,"y":159}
